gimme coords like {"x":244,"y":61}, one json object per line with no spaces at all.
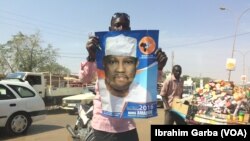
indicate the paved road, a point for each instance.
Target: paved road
{"x":53,"y":128}
{"x":143,"y":125}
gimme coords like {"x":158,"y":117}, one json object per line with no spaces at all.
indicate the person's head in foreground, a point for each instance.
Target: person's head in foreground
{"x":120,"y":22}
{"x":120,"y":64}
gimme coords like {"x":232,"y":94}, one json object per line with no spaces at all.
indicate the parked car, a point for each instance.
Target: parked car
{"x":71,"y":103}
{"x":20,"y":105}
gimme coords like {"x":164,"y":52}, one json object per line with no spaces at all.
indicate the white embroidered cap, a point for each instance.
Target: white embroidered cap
{"x":121,"y":45}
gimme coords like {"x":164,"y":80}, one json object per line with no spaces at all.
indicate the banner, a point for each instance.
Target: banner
{"x":200,"y":132}
{"x":127,"y":73}
{"x":230,"y":65}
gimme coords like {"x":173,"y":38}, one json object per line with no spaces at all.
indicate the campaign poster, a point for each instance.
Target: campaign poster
{"x":127,"y":73}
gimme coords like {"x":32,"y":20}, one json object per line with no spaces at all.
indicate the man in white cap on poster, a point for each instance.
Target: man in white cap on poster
{"x":120,"y":70}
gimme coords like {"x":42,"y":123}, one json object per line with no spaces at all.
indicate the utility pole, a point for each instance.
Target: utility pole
{"x":201,"y":81}
{"x":235,"y":34}
{"x":172,"y":57}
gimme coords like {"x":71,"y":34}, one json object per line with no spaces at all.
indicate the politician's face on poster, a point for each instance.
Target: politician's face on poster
{"x":119,"y":72}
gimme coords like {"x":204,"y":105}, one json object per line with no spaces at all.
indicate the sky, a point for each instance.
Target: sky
{"x":195,"y":34}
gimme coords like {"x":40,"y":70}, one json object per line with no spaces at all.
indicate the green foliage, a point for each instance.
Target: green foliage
{"x":184,"y":77}
{"x":25,"y":53}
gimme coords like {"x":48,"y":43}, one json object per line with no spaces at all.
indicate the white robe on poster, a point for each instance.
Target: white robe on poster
{"x":110,"y":103}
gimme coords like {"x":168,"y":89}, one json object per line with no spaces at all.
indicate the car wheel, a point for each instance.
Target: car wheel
{"x":18,"y":124}
{"x":90,"y":133}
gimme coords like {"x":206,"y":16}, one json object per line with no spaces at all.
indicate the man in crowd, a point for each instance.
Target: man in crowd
{"x":172,"y":88}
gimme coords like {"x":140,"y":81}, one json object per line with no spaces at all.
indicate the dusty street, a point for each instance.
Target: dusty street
{"x":53,"y":128}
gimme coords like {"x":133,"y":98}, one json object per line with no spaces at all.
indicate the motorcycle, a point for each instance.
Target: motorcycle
{"x":82,"y":130}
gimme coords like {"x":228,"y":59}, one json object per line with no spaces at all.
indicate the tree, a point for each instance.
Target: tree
{"x":25,"y":53}
{"x":55,"y":68}
{"x":185,"y":77}
{"x":4,"y":62}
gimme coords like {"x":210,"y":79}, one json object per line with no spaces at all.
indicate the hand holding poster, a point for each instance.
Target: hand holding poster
{"x":127,"y":73}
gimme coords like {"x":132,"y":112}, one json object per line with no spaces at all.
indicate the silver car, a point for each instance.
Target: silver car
{"x":71,"y":103}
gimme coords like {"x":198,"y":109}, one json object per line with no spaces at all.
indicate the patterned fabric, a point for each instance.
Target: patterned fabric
{"x":87,"y":72}
{"x":109,"y":124}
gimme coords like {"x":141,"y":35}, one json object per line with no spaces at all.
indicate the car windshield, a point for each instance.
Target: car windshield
{"x":18,"y":75}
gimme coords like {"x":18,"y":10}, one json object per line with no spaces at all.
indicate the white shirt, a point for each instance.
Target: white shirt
{"x":111,"y":103}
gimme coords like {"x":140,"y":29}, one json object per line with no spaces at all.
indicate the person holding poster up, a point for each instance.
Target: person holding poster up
{"x":107,"y":128}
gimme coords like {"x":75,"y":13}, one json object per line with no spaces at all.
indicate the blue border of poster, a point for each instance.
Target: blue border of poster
{"x":146,"y":76}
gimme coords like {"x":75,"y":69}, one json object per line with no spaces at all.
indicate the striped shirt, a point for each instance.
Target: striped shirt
{"x":171,"y":88}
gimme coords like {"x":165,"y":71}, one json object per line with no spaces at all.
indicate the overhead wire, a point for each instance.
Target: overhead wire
{"x":79,"y":35}
{"x":206,"y":41}
{"x":42,"y":21}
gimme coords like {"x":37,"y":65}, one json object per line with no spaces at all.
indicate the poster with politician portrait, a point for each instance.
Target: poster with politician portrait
{"x":127,"y":73}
